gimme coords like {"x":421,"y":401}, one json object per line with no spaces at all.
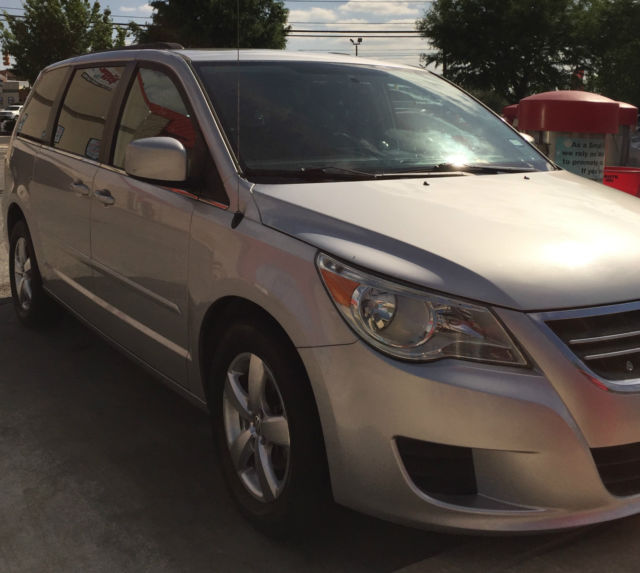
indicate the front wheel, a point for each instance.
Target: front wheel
{"x":266,"y":429}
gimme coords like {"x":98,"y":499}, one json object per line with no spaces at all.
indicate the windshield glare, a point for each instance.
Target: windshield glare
{"x":303,"y":116}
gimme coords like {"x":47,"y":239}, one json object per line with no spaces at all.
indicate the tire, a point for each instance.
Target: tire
{"x":266,"y":429}
{"x":32,"y":305}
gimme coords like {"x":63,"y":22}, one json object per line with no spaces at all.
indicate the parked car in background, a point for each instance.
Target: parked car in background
{"x":8,"y":117}
{"x":10,"y":112}
{"x":380,"y":291}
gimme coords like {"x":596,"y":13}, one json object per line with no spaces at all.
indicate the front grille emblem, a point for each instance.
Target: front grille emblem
{"x":629,"y":366}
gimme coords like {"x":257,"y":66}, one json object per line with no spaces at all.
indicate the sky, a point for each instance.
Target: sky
{"x":353,"y":18}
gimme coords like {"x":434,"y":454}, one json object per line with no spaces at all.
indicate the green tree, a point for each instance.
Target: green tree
{"x":52,"y":30}
{"x":214,"y":23}
{"x":512,"y":48}
{"x":610,"y":32}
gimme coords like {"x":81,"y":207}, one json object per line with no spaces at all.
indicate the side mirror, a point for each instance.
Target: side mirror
{"x":157,"y":159}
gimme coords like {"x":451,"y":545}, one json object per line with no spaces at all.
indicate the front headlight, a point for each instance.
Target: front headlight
{"x":413,"y":324}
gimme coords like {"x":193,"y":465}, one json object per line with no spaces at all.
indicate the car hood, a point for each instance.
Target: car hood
{"x":535,"y":241}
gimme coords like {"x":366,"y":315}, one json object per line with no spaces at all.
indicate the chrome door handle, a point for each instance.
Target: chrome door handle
{"x":80,"y":188}
{"x":104,"y":196}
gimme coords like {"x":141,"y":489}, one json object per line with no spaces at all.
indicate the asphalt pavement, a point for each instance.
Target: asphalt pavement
{"x":103,"y":469}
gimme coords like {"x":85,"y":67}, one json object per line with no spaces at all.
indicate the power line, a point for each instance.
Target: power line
{"x":390,"y":57}
{"x":127,"y":16}
{"x":370,"y":50}
{"x":358,"y":1}
{"x":344,"y":22}
{"x":292,"y":32}
{"x":114,"y":24}
{"x":112,"y":15}
{"x":344,"y":36}
{"x":378,"y":51}
{"x":357,"y":31}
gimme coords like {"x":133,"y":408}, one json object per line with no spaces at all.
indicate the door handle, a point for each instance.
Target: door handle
{"x":80,"y":188}
{"x":104,"y":196}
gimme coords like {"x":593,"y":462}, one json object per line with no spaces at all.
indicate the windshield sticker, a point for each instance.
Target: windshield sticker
{"x":58,"y":136}
{"x":92,"y":151}
{"x":21,"y":122}
{"x":102,"y":77}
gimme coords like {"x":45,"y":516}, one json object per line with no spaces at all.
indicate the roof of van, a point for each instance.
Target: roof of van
{"x":224,"y":55}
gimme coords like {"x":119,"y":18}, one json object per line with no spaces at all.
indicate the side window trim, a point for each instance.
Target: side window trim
{"x":55,"y":108}
{"x":115,"y":113}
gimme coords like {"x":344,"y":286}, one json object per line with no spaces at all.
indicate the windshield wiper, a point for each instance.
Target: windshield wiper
{"x":328,"y":173}
{"x":470,"y":168}
{"x":335,"y":173}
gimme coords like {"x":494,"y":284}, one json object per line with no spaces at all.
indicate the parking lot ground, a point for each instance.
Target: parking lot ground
{"x":103,"y":469}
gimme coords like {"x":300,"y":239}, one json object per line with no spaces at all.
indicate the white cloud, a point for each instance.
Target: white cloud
{"x":380,"y":8}
{"x":409,"y":21}
{"x":395,"y":50}
{"x":313,"y":15}
{"x":353,"y":21}
{"x":144,"y":8}
{"x":397,"y":15}
{"x":320,"y":44}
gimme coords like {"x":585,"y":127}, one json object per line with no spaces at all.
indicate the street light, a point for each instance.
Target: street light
{"x":356,"y":44}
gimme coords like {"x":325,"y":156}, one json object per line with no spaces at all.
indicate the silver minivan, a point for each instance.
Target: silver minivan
{"x":382,"y":293}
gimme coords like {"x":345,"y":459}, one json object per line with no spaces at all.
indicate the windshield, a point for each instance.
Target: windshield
{"x":329,"y":121}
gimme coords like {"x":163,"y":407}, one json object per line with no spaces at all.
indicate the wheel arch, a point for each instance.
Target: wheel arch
{"x":14,"y":214}
{"x":218,"y":317}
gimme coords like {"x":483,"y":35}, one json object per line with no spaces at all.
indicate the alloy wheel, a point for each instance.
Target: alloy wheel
{"x":256,"y":427}
{"x":22,"y":274}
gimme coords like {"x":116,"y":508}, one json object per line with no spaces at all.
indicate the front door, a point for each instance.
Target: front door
{"x":140,"y":234}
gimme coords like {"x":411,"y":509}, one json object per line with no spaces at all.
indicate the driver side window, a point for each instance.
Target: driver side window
{"x":154,"y":108}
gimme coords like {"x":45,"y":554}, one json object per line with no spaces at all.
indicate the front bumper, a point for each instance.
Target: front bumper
{"x":530,"y":433}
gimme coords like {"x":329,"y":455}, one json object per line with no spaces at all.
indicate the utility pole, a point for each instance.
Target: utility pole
{"x":356,"y":44}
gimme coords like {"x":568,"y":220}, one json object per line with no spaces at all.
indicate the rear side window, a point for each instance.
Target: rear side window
{"x":154,"y":107}
{"x":82,"y":118}
{"x":35,"y":118}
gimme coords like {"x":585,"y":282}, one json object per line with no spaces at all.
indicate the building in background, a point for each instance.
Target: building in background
{"x":12,"y":90}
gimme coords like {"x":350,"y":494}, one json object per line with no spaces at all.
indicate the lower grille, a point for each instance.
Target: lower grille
{"x":437,"y":468}
{"x":619,"y":468}
{"x":608,"y":344}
